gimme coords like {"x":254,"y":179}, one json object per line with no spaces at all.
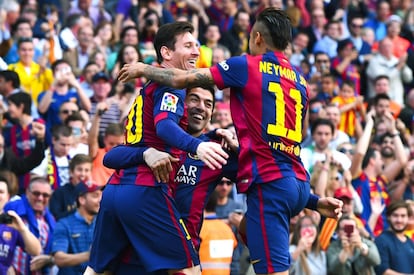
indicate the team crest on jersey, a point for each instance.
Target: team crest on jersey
{"x":193,"y":156}
{"x":7,"y":235}
{"x":169,"y":102}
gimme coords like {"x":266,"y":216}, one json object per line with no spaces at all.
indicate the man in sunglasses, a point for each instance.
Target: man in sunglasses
{"x":32,"y":208}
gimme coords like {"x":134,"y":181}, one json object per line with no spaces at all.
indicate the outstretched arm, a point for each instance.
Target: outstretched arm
{"x":124,"y":156}
{"x":167,"y":76}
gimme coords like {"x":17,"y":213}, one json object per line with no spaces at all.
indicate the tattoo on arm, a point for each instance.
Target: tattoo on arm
{"x":162,"y":76}
{"x":168,"y":77}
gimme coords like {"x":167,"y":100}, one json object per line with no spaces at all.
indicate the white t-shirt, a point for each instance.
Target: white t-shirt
{"x":62,"y":164}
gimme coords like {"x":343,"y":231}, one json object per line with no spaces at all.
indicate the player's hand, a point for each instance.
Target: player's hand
{"x":229,"y":139}
{"x":160,"y":163}
{"x":131,"y":71}
{"x":212,"y":154}
{"x":330,"y":207}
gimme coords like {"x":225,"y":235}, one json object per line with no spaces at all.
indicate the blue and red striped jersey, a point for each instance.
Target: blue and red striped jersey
{"x":367,"y":189}
{"x":194,"y":183}
{"x":269,"y":99}
{"x":154,"y":110}
{"x":22,"y":141}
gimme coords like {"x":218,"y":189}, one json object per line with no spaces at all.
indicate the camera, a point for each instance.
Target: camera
{"x":5,"y":218}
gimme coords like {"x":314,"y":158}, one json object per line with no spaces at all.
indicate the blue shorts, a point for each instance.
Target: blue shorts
{"x":145,"y":218}
{"x":269,"y":209}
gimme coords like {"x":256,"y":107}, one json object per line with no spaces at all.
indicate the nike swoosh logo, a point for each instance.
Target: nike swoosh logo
{"x":255,"y":261}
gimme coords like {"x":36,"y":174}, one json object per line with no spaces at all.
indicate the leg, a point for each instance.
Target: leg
{"x":270,"y":207}
{"x":109,"y":237}
{"x":155,"y":230}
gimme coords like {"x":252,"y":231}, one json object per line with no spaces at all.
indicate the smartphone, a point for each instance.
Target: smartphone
{"x":5,"y":218}
{"x":349,"y":229}
{"x":306,"y":232}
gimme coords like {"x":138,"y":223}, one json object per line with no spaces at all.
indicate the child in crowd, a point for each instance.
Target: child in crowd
{"x":351,"y":107}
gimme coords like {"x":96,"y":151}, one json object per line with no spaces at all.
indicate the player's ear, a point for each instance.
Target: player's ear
{"x":165,"y":53}
{"x":258,"y":38}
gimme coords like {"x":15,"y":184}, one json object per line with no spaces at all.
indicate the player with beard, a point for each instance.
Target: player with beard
{"x":194,"y":180}
{"x":136,"y":208}
{"x":395,"y":248}
{"x":387,"y":148}
{"x":263,"y":87}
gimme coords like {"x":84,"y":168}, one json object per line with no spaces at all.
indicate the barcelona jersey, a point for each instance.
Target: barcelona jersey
{"x":369,"y":188}
{"x":269,"y":99}
{"x":195,"y":182}
{"x":154,"y":104}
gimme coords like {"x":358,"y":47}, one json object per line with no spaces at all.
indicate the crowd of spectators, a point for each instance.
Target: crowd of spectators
{"x":62,"y":109}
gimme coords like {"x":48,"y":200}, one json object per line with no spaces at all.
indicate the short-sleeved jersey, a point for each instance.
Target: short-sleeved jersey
{"x":154,"y":104}
{"x":194,"y":184}
{"x":372,"y":188}
{"x":52,"y":114}
{"x":10,"y":239}
{"x":269,"y":99}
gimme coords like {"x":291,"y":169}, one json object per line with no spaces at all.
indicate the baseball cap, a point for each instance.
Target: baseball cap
{"x":394,"y":18}
{"x":343,"y":192}
{"x":344,"y":44}
{"x":100,"y":75}
{"x":87,"y":187}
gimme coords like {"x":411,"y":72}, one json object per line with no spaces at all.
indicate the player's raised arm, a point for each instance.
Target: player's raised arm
{"x":167,"y":76}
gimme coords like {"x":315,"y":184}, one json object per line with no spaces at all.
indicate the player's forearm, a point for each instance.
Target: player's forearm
{"x":312,"y":202}
{"x":123,"y":156}
{"x":179,"y":78}
{"x":180,"y":139}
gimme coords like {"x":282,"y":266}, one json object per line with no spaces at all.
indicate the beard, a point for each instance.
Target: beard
{"x":387,"y":153}
{"x":398,"y":230}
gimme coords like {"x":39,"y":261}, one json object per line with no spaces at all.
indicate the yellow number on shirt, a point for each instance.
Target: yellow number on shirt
{"x":279,"y":129}
{"x":133,"y":127}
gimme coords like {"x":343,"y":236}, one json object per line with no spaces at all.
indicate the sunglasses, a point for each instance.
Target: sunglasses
{"x":223,"y":182}
{"x":344,"y":150}
{"x":68,"y":112}
{"x":356,"y":26}
{"x":38,"y":194}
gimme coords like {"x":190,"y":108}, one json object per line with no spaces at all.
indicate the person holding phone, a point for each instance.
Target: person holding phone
{"x":305,"y":252}
{"x":351,"y":253}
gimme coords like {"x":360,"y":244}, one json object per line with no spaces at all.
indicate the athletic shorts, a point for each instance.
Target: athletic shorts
{"x":269,"y":209}
{"x":145,"y":218}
